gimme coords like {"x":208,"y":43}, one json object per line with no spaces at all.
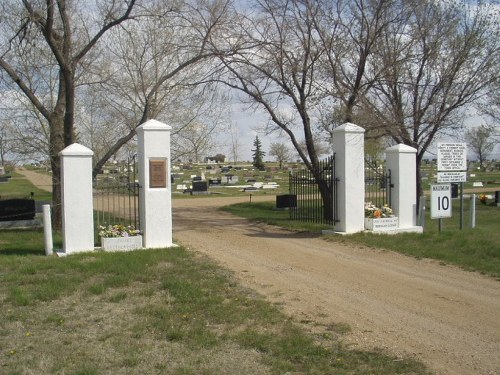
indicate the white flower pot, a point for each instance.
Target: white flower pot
{"x":381,"y":224}
{"x":121,"y":243}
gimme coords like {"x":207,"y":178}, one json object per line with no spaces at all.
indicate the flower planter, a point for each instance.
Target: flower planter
{"x":121,"y":243}
{"x":382,"y":224}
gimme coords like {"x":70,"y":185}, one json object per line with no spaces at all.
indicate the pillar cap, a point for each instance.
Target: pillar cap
{"x":348,"y":128}
{"x":154,"y":125}
{"x":401,"y":148}
{"x":76,"y":149}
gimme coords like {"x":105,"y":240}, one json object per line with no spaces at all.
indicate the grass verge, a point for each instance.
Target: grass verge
{"x":156,"y":312}
{"x":475,"y":249}
{"x":20,"y":187}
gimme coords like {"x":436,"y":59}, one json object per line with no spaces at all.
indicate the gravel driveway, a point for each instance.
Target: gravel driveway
{"x":446,"y":317}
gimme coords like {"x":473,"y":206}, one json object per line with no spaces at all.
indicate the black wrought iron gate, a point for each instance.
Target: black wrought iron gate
{"x":116,"y":196}
{"x":316,"y":193}
{"x":377,"y":184}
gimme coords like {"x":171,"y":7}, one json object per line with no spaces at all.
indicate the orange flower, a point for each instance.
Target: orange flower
{"x":377,"y":214}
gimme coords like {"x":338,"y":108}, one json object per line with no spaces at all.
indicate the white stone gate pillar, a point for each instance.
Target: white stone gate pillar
{"x":401,"y":160}
{"x":348,"y":145}
{"x":76,"y":199}
{"x":155,"y":198}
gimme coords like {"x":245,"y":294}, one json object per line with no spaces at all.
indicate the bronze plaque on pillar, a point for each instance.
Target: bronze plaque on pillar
{"x":157,"y":173}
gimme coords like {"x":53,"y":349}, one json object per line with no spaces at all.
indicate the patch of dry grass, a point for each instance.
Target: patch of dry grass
{"x":156,"y":312}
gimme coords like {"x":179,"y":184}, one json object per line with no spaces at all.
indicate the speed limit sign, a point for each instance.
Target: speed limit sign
{"x":440,"y":201}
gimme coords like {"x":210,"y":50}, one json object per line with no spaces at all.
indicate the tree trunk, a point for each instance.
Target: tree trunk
{"x":56,"y":146}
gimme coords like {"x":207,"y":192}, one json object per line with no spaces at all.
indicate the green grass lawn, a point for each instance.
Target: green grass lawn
{"x":21,"y":187}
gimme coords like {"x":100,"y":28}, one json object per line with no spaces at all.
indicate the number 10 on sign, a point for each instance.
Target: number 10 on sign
{"x":440,"y":201}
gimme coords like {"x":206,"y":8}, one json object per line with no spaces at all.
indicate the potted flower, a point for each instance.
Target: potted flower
{"x":483,"y":198}
{"x":380,"y":218}
{"x":120,"y":237}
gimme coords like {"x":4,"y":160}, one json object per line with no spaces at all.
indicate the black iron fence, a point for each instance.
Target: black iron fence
{"x":116,"y":197}
{"x":377,"y":184}
{"x":316,"y":194}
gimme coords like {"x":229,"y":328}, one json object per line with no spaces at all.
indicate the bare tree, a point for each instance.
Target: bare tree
{"x":276,"y":67}
{"x":280,"y":152}
{"x":49,"y":50}
{"x":44,"y":47}
{"x":439,"y":60}
{"x":350,"y":31}
{"x":157,"y":63}
{"x":234,"y":141}
{"x":482,"y":140}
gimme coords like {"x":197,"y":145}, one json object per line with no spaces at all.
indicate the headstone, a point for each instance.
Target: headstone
{"x":200,"y":187}
{"x":214,"y":181}
{"x":286,"y":201}
{"x":17,"y":209}
{"x":477,"y":184}
{"x":2,"y":170}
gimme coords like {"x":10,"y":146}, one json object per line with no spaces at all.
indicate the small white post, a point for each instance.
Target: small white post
{"x":421,"y":211}
{"x":47,"y":230}
{"x":473,"y":211}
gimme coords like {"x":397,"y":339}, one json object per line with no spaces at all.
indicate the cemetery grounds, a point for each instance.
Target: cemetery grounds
{"x":409,"y":307}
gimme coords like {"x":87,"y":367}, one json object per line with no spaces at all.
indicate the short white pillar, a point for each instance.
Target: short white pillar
{"x":401,"y":161}
{"x":77,"y":207}
{"x":155,"y":198}
{"x":348,"y":145}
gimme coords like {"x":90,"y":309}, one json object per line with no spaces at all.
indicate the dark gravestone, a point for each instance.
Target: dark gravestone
{"x":17,"y":209}
{"x":200,"y":186}
{"x":497,"y":197}
{"x":286,"y":201}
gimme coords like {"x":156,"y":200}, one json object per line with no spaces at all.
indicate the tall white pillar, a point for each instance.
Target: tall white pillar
{"x":155,"y":198}
{"x":348,"y":145}
{"x":77,"y":207}
{"x":401,"y":161}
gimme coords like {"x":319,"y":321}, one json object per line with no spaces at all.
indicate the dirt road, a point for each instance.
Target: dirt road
{"x":448,"y":318}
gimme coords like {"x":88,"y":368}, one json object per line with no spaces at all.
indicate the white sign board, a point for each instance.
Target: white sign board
{"x":440,"y":201}
{"x":443,"y":177}
{"x":452,"y":157}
